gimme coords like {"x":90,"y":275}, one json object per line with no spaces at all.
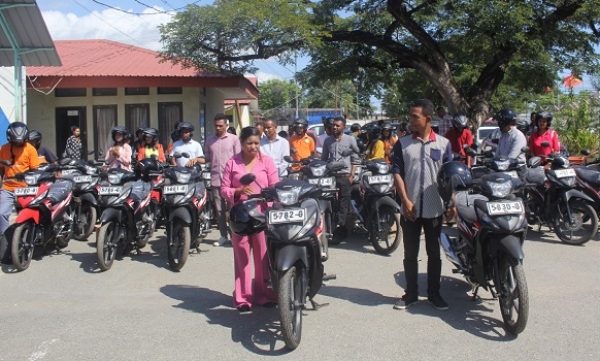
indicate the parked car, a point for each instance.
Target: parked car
{"x":483,"y":132}
{"x":320,"y":129}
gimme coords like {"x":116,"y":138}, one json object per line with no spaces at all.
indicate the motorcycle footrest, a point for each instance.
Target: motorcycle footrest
{"x":329,"y":277}
{"x":456,"y":270}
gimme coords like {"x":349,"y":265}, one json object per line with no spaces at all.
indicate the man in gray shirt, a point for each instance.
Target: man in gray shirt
{"x":275,"y":147}
{"x":512,"y":139}
{"x":333,"y":147}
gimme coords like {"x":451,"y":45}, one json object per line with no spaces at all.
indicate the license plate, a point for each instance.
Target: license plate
{"x":82,"y":179}
{"x":512,"y":174}
{"x":175,"y":189}
{"x":502,"y":208}
{"x":287,"y":216}
{"x":206,"y":176}
{"x":378,"y":179}
{"x":326,"y":182}
{"x":106,"y":191}
{"x":69,"y":171}
{"x":29,"y":191}
{"x":564,"y":173}
{"x":313,"y":180}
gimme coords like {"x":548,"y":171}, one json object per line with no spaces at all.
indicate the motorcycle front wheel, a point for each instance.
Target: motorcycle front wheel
{"x":85,"y":223}
{"x":578,"y":227}
{"x":387,"y":239}
{"x":290,"y":300}
{"x":106,"y":245}
{"x":179,"y":246}
{"x":513,"y":295}
{"x":22,"y":246}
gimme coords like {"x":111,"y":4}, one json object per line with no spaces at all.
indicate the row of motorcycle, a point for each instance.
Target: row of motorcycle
{"x":74,"y":198}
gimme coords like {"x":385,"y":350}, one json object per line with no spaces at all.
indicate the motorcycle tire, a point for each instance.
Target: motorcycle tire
{"x":22,"y":246}
{"x":513,"y":295}
{"x":387,"y":240}
{"x":290,"y":301}
{"x":85,"y":227}
{"x":581,"y":212}
{"x":107,"y":245}
{"x":180,"y":248}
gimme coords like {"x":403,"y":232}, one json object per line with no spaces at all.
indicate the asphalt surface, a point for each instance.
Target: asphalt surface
{"x":63,"y":308}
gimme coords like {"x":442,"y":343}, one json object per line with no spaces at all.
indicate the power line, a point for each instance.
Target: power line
{"x":106,"y":22}
{"x":157,"y":12}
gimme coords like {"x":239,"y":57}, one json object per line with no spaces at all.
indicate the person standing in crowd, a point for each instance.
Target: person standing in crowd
{"x":311,"y":133}
{"x":402,"y":130}
{"x":119,"y":155}
{"x":151,"y":146}
{"x":249,"y":290}
{"x":23,"y":157}
{"x":543,"y":133}
{"x":74,"y":147}
{"x":301,"y":142}
{"x":445,"y":120}
{"x":187,"y":145}
{"x":417,"y":159}
{"x":219,"y":148}
{"x":260,"y":125}
{"x":333,"y":148}
{"x":388,"y":140}
{"x":231,"y":130}
{"x":44,"y":154}
{"x":459,"y":135}
{"x":512,"y":141}
{"x":275,"y":147}
{"x":139,"y":139}
{"x":327,"y":125}
{"x":355,"y":131}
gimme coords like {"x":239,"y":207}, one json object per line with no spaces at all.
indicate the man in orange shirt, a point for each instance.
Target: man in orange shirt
{"x":23,"y":157}
{"x":303,"y":144}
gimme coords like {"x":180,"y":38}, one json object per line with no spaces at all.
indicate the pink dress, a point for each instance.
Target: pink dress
{"x":123,"y":161}
{"x":245,"y":294}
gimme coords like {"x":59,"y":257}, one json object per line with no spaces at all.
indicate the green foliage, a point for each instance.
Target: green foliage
{"x":577,"y":123}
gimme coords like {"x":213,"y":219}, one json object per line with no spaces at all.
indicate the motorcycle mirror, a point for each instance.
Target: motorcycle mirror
{"x":288,"y":159}
{"x":186,"y":155}
{"x":6,"y":162}
{"x":177,"y":155}
{"x":585,"y":152}
{"x":456,"y":156}
{"x":545,"y":144}
{"x":247,"y":179}
{"x":470,"y":152}
{"x":525,"y":149}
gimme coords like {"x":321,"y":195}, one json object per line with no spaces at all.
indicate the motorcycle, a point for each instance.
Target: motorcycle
{"x":492,"y":226}
{"x":45,"y":214}
{"x":209,"y":207}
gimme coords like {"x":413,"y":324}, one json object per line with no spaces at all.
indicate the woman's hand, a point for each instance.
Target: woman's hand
{"x":247,"y":190}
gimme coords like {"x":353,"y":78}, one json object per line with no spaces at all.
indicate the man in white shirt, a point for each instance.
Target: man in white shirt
{"x":275,"y":147}
{"x":187,"y":145}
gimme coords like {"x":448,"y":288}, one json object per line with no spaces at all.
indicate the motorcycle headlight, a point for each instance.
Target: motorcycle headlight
{"x":288,"y":197}
{"x":502,"y":164}
{"x":383,"y":168}
{"x":500,"y":190}
{"x":115,"y":178}
{"x":91,"y":170}
{"x":318,"y":171}
{"x":183,"y":177}
{"x":31,"y":179}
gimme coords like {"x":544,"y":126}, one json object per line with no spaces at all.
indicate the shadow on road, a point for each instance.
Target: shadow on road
{"x":358,"y":296}
{"x":259,"y":332}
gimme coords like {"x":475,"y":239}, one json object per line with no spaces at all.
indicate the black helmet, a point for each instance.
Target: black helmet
{"x":151,"y":132}
{"x":374,"y":131}
{"x":386,"y":126}
{"x":546,"y":115}
{"x":245,"y":219}
{"x":328,"y":122}
{"x":300,"y":122}
{"x":453,"y":176}
{"x":460,"y":121}
{"x":187,"y":126}
{"x":175,"y":135}
{"x":121,"y":130}
{"x":35,"y":137}
{"x":140,"y":130}
{"x":505,"y":117}
{"x":522,"y":125}
{"x":16,"y":133}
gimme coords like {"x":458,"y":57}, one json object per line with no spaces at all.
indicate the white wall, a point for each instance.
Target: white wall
{"x":7,"y":91}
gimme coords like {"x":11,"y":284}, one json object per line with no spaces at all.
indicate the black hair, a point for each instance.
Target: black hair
{"x":231,"y":130}
{"x":248,"y":132}
{"x":73,"y":128}
{"x":355,"y":127}
{"x":221,"y":116}
{"x":426,"y":106}
{"x":340,"y":119}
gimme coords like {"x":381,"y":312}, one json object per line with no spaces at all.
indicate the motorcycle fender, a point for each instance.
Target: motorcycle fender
{"x":110,"y":214}
{"x":287,"y":256}
{"x":182,"y":214}
{"x":325,"y":205}
{"x":88,"y":197}
{"x":512,"y":246}
{"x":573,"y":193}
{"x":26,"y":214}
{"x":387,"y":201}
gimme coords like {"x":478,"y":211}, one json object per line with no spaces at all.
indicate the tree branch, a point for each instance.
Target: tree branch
{"x":390,"y":30}
{"x":264,"y":52}
{"x":422,"y":6}
{"x":594,"y":29}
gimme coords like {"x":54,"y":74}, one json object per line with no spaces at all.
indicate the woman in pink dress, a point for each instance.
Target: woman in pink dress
{"x":249,"y":291}
{"x":119,"y":155}
{"x":542,"y":134}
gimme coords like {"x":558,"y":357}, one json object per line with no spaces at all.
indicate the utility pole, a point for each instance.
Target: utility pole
{"x":296,"y":80}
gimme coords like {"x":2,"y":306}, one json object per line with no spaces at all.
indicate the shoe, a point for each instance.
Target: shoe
{"x":220,"y":242}
{"x":244,"y":309}
{"x":438,"y":302}
{"x":405,"y":302}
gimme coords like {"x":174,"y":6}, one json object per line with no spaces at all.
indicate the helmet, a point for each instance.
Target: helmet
{"x":16,"y":133}
{"x":140,"y":130}
{"x":300,"y":123}
{"x":546,"y":115}
{"x":142,"y":168}
{"x":460,"y":121}
{"x":244,"y":219}
{"x":374,"y":131}
{"x":175,"y":135}
{"x":505,"y":117}
{"x":386,"y":126}
{"x":522,"y":125}
{"x":186,"y":126}
{"x":328,"y":122}
{"x":451,"y":177}
{"x":151,"y":132}
{"x":121,"y":130}
{"x":35,"y":137}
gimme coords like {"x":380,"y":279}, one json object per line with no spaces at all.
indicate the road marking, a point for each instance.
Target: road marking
{"x":42,"y":350}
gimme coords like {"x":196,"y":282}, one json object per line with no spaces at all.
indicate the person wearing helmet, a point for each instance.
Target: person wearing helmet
{"x":187,"y":145}
{"x":460,"y":135}
{"x":46,"y":156}
{"x":512,"y":141}
{"x":219,"y":148}
{"x":119,"y":155}
{"x":23,"y":157}
{"x":304,"y":145}
{"x":417,"y":159}
{"x":543,"y":133}
{"x":375,"y":146}
{"x":151,"y":146}
{"x":174,"y":137}
{"x":388,"y":140}
{"x":249,"y":290}
{"x":139,"y":137}
{"x":73,"y":150}
{"x":311,"y":133}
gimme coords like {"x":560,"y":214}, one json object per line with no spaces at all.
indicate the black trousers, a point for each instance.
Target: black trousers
{"x":411,"y":232}
{"x":343,"y":184}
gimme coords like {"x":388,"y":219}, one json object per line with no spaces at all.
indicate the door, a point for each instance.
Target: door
{"x":105,"y":118}
{"x":66,"y":117}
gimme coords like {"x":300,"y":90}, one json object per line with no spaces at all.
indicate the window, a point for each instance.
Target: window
{"x":137,"y":91}
{"x":70,"y":92}
{"x":105,"y":118}
{"x":168,"y":115}
{"x":137,"y":115}
{"x":169,"y":90}
{"x":102,"y":92}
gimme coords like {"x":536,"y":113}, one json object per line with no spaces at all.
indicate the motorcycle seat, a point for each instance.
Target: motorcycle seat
{"x":588,"y":174}
{"x":59,"y":191}
{"x":465,"y":205}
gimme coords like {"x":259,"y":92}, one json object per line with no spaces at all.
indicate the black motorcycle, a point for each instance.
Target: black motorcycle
{"x":492,"y":226}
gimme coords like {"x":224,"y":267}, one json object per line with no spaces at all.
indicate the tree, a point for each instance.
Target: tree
{"x":462,"y":49}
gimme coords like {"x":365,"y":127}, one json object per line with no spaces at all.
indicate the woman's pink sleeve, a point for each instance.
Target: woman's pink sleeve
{"x":227,"y":190}
{"x":125,"y":156}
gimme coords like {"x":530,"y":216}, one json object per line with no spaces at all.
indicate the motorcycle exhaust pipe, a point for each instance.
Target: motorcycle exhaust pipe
{"x":446,"y":244}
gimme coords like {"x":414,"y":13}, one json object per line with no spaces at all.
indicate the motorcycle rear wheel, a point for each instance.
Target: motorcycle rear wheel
{"x":388,"y":238}
{"x":22,"y":246}
{"x":180,"y":248}
{"x":513,"y":295}
{"x":585,"y":221}
{"x":84,"y":227}
{"x":106,"y":245}
{"x":290,"y":301}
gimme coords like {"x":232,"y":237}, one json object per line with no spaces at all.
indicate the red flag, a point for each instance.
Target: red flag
{"x":572,"y":81}
{"x":547,"y":90}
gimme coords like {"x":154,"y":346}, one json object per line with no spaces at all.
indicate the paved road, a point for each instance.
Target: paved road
{"x":63,"y":308}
